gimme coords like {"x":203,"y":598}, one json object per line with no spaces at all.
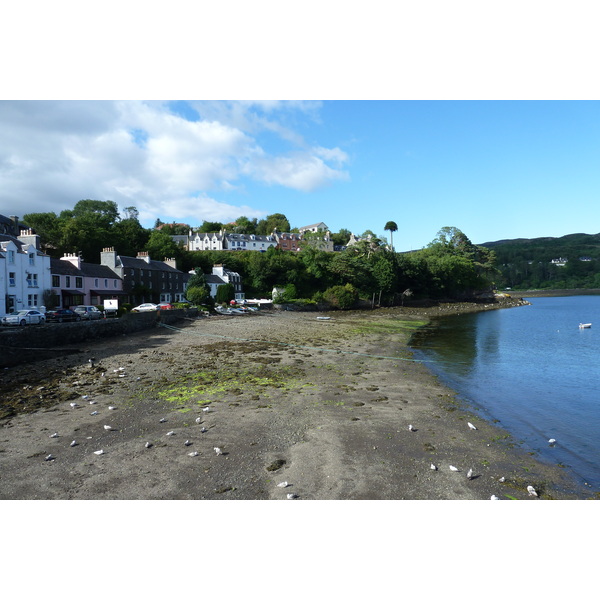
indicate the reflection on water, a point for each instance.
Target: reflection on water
{"x":532,"y":369}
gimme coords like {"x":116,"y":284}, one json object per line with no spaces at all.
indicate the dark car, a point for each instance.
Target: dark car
{"x":62,"y":314}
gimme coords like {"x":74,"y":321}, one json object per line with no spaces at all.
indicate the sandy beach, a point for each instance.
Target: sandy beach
{"x":271,"y":405}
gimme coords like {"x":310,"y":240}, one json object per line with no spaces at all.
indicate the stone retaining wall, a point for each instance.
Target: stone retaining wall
{"x":34,"y":342}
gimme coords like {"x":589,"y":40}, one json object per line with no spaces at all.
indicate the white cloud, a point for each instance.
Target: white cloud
{"x":53,"y":154}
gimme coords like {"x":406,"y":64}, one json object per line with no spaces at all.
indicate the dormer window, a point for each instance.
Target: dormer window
{"x":32,"y":258}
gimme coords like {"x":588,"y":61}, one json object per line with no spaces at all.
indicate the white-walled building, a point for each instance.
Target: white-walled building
{"x":24,"y":272}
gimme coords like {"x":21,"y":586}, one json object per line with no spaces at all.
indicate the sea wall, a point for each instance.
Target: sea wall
{"x":35,"y":342}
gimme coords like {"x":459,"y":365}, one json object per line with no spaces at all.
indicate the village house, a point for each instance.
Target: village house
{"x":24,"y":268}
{"x":221,"y":276}
{"x":76,"y":282}
{"x":146,"y":280}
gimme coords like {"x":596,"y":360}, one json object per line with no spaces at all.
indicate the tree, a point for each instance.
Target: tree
{"x":245,"y":225}
{"x":225,"y":293}
{"x":391,"y":227}
{"x":160,"y":245}
{"x":197,"y":295}
{"x":271,"y":222}
{"x":210,"y":227}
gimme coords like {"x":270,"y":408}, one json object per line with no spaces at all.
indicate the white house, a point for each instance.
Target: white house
{"x":221,"y":276}
{"x":24,"y":272}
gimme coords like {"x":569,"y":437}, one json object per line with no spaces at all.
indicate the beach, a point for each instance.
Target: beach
{"x":273,"y":405}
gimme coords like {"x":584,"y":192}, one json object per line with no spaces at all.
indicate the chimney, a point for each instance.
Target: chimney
{"x":74,"y":259}
{"x":108,"y":257}
{"x":144,"y":256}
{"x":171,"y":262}
{"x":28,"y":237}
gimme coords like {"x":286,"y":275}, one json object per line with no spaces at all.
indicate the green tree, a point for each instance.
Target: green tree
{"x":391,"y":227}
{"x":245,"y":225}
{"x":197,"y":295}
{"x":341,"y":296}
{"x":160,"y":245}
{"x":210,"y":227}
{"x":225,"y":293}
{"x":271,"y":222}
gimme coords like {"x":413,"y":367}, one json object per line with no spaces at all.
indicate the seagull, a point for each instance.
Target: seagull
{"x":433,"y":467}
{"x":470,"y":474}
{"x":453,"y":468}
{"x":206,"y":409}
{"x":502,"y":479}
{"x":218,"y":451}
{"x":283,"y":484}
{"x":112,"y":408}
{"x":73,"y":443}
{"x":203,"y":430}
{"x":552,"y":441}
{"x":54,"y":435}
{"x":193,"y":453}
{"x":163,"y":420}
{"x":187,"y":443}
{"x":148,"y":445}
{"x":199,"y":420}
{"x":531,"y":490}
{"x":108,"y":428}
{"x":411,"y":428}
{"x":99,"y":452}
{"x":50,"y":457}
{"x":291,"y":496}
{"x":171,"y":433}
{"x":92,"y":402}
{"x":84,"y":397}
{"x":471,"y":426}
{"x":493,"y":497}
{"x":73,"y":404}
{"x":91,"y":361}
{"x":94,"y":413}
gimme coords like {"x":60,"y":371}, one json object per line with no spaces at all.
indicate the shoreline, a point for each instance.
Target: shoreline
{"x":324,"y":405}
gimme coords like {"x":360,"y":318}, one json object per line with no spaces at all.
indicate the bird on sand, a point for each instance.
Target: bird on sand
{"x":493,"y":497}
{"x":218,"y":451}
{"x":411,"y":428}
{"x":199,"y":420}
{"x":54,"y":435}
{"x":163,"y":420}
{"x":171,"y":433}
{"x":452,"y":468}
{"x":283,"y":484}
{"x":99,"y":452}
{"x":502,"y":479}
{"x":108,"y":428}
{"x":433,"y":467}
{"x":187,"y":443}
{"x":531,"y":490}
{"x":291,"y":496}
{"x":470,"y":474}
{"x":94,"y":413}
{"x":50,"y":457}
{"x":148,"y":445}
{"x":203,"y":430}
{"x":112,"y":408}
{"x":193,"y":453}
{"x":73,"y":405}
{"x":471,"y":426}
{"x":73,"y":443}
{"x":206,"y":409}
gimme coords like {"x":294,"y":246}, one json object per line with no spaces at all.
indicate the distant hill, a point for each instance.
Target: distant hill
{"x":570,"y":261}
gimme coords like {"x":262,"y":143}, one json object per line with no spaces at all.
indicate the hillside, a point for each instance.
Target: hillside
{"x":570,"y":261}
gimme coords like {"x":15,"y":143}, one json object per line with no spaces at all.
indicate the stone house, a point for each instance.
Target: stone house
{"x":146,"y":280}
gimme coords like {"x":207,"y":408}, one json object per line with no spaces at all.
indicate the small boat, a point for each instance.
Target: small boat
{"x":584,"y":325}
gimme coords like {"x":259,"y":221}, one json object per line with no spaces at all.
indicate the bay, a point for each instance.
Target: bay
{"x":532,"y":370}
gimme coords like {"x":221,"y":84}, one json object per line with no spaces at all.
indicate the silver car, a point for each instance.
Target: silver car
{"x":89,"y":312}
{"x":24,"y":317}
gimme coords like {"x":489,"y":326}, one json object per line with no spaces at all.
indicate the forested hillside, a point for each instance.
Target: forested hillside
{"x":527,"y":263}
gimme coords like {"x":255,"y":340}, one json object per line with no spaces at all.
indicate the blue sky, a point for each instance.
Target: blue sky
{"x":494,"y":169}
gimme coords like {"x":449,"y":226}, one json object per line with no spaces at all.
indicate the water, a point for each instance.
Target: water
{"x":532,"y":369}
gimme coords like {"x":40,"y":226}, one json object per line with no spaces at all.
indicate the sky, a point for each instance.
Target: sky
{"x":494,"y":169}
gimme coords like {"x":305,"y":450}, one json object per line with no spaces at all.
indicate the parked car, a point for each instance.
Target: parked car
{"x":24,"y":317}
{"x":146,"y":307}
{"x":165,"y":306}
{"x":89,"y":312}
{"x":62,"y":314}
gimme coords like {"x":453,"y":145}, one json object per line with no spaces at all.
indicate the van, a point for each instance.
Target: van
{"x":89,"y":312}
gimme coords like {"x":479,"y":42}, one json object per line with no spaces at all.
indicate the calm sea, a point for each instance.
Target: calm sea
{"x":532,"y":369}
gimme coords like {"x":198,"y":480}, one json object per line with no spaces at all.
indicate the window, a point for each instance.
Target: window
{"x":106,"y":283}
{"x":12,"y":280}
{"x":115,"y":283}
{"x":32,"y":259}
{"x":32,"y":280}
{"x":32,"y":300}
{"x":67,"y":281}
{"x":96,"y":284}
{"x":55,"y":280}
{"x":11,"y":257}
{"x":78,"y":282}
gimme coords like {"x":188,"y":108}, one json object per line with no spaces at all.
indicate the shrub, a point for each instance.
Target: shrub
{"x":341,"y":296}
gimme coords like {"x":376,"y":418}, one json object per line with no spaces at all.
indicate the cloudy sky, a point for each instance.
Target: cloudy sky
{"x":406,"y":115}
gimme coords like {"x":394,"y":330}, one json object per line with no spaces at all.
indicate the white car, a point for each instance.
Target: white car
{"x":147,"y":307}
{"x":24,"y":317}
